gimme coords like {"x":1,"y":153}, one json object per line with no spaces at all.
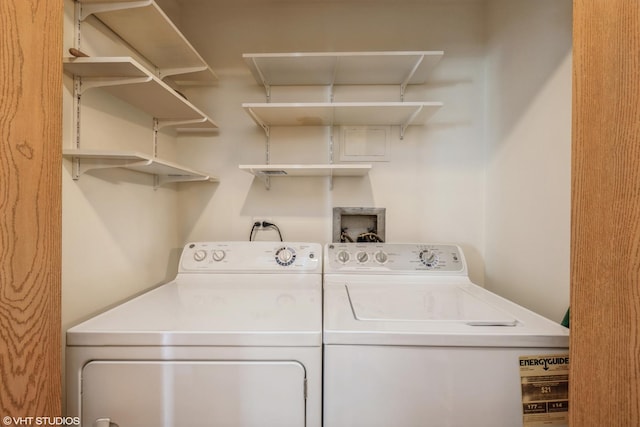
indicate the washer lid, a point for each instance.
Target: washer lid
{"x":410,"y":311}
{"x":417,"y":303}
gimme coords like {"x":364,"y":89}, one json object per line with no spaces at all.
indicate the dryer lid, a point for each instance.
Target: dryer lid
{"x":221,"y":309}
{"x":394,"y":302}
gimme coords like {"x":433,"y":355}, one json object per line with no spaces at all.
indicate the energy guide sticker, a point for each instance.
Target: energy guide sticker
{"x":545,"y":390}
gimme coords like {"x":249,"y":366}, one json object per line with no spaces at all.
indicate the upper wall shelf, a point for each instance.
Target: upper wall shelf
{"x":150,"y":31}
{"x":330,"y":69}
{"x":265,"y":172}
{"x":401,"y":114}
{"x":166,"y":172}
{"x":342,"y":68}
{"x":126,"y":79}
{"x":307,"y":170}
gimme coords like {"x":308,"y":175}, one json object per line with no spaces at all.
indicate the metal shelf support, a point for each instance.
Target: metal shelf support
{"x":403,"y":85}
{"x":97,"y":82}
{"x":91,"y":8}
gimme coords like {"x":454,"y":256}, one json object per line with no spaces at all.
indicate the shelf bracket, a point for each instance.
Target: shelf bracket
{"x":265,"y":83}
{"x":403,"y":85}
{"x":171,"y":123}
{"x":331,"y":133}
{"x":156,"y":127}
{"x":263,"y":125}
{"x":267,"y":152}
{"x":77,"y":84}
{"x":267,"y":88}
{"x":81,"y":166}
{"x":97,"y":82}
{"x":77,"y":33}
{"x":88,"y":9}
{"x":265,"y":178}
{"x":404,"y":126}
{"x":333,"y":79}
{"x":166,"y":72}
{"x":160,"y":180}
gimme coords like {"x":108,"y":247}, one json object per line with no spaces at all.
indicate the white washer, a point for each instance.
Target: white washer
{"x":234,"y":340}
{"x":409,"y":341}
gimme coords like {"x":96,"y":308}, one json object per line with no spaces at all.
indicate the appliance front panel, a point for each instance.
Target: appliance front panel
{"x":382,"y":386}
{"x":194,"y":393}
{"x":251,"y":257}
{"x":424,"y":259}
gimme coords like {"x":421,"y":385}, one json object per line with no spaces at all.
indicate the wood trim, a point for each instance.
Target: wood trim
{"x":605,"y":231}
{"x":30,"y":207}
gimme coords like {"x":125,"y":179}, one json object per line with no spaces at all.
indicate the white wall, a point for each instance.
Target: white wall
{"x":433,"y":185}
{"x":528,"y":166}
{"x":490,"y":171}
{"x":119,"y":236}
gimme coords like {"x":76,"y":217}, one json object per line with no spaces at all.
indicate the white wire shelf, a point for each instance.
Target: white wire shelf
{"x":128,"y":80}
{"x":167,"y":172}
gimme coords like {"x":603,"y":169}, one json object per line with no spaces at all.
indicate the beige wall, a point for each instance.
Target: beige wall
{"x":490,"y":171}
{"x":120,"y":235}
{"x":528,"y":163}
{"x":433,"y":185}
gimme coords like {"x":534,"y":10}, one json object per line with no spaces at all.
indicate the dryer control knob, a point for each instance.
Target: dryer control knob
{"x":362,"y":257}
{"x":428,"y":258}
{"x":343,"y":257}
{"x":285,"y":256}
{"x":381,"y":257}
{"x":199,"y":255}
{"x":218,"y":255}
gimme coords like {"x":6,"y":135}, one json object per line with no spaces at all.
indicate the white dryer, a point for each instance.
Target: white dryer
{"x":234,"y":340}
{"x":410,"y":341}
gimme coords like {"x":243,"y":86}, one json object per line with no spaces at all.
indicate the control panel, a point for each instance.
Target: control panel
{"x":251,"y":257}
{"x":394,"y":257}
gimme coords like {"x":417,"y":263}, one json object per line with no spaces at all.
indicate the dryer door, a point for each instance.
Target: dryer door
{"x":193,"y":393}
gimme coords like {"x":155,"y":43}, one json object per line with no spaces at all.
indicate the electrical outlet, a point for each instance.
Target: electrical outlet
{"x":260,"y":219}
{"x":257,"y":227}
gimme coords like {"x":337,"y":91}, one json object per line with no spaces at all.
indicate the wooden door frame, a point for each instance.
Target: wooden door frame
{"x":605,"y":219}
{"x":30,"y":207}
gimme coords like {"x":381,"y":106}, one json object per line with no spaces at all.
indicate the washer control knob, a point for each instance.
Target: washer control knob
{"x":362,"y":257}
{"x":429,"y":258}
{"x":343,"y":257}
{"x":285,"y":256}
{"x":199,"y":255}
{"x":381,"y":257}
{"x":218,"y":255}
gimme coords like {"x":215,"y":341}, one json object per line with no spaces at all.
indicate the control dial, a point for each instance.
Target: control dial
{"x":218,"y":255}
{"x":381,"y":257}
{"x":429,"y":258}
{"x":199,"y":255}
{"x":362,"y":257}
{"x":285,"y":256}
{"x":343,"y":257}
